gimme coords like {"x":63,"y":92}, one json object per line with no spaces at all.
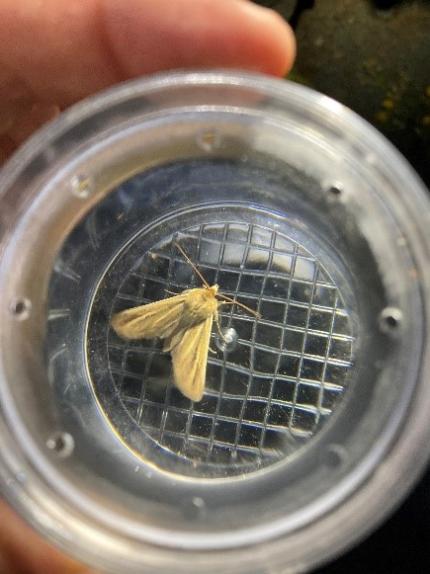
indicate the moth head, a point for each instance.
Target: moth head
{"x":213,"y":289}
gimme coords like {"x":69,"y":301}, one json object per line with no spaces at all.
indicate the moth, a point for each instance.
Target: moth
{"x":184,"y":322}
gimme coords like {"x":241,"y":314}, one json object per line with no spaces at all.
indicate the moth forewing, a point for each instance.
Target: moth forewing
{"x":189,"y":359}
{"x":158,"y":319}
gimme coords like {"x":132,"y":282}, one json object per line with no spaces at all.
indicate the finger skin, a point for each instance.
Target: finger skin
{"x":22,"y":551}
{"x":56,"y":52}
{"x":200,"y":33}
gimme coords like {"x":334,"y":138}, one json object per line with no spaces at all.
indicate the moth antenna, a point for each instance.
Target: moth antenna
{"x":234,"y":302}
{"x":193,"y":267}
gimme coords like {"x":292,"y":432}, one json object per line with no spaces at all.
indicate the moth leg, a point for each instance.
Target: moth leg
{"x":211,"y":350}
{"x":170,"y":292}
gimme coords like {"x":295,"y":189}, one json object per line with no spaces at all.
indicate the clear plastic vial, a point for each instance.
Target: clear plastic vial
{"x":314,"y":421}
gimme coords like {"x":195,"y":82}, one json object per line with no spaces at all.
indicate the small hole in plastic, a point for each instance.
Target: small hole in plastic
{"x":334,"y":456}
{"x":81,"y":186}
{"x":20,"y":308}
{"x":390,"y":319}
{"x":61,"y":443}
{"x":198,"y":502}
{"x":208,"y":140}
{"x":335,"y":190}
{"x":194,"y":508}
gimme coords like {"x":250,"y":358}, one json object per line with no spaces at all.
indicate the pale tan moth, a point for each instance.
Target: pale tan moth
{"x":184,"y":322}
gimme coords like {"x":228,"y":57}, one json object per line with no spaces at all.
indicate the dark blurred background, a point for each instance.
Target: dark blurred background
{"x":374,"y":57}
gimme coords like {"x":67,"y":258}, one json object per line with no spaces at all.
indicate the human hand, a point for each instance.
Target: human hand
{"x":55,"y":52}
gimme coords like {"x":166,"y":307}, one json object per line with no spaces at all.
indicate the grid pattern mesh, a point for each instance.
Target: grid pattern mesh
{"x":281,"y":379}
